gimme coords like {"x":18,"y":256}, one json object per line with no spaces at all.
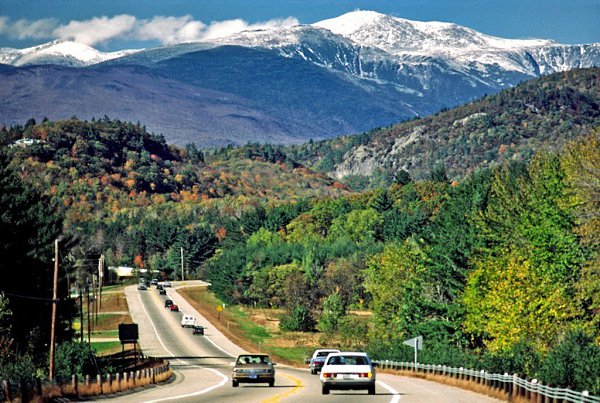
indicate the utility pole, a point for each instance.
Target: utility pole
{"x":81,"y":312}
{"x":54,"y":303}
{"x":182,"y":276}
{"x":100,"y":278}
{"x":94,"y":300}
{"x":89,"y":325}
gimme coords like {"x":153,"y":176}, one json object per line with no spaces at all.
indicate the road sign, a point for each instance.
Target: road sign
{"x":416,"y":343}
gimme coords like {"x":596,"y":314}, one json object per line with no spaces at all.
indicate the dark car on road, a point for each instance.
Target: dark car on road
{"x":253,"y":368}
{"x":198,"y":329}
{"x":174,"y":308}
{"x":162,"y":292}
{"x":168,"y":303}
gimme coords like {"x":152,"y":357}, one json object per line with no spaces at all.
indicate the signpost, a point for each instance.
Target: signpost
{"x":416,"y":343}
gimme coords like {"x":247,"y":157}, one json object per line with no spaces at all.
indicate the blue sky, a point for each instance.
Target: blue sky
{"x":118,"y":24}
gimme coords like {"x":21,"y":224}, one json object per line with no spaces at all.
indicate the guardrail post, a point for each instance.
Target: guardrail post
{"x":87,"y":380}
{"x":99,"y":382}
{"x":109,"y":382}
{"x":514,"y":390}
{"x":532,"y":391}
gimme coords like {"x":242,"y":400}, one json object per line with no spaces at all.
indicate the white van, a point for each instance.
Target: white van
{"x":188,"y":321}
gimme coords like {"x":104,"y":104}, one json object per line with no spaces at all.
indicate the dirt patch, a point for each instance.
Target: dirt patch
{"x":114,"y":302}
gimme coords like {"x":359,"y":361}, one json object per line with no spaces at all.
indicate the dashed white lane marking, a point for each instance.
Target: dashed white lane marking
{"x":201,"y":391}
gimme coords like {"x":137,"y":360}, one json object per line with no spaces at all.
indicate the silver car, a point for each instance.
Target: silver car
{"x":253,"y":368}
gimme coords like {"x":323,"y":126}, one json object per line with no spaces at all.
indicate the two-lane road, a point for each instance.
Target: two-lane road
{"x":203,"y":366}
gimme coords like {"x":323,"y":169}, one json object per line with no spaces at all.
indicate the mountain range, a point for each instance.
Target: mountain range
{"x":283,"y":85}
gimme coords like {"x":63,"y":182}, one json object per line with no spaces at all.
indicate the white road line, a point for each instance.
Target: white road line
{"x":208,"y":337}
{"x":200,"y":392}
{"x":394,"y":392}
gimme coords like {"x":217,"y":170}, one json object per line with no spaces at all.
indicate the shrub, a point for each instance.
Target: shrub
{"x":574,"y":363}
{"x":74,"y":359}
{"x":299,"y":320}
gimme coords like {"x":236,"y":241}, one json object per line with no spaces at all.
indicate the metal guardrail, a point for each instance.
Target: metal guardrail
{"x":512,"y":385}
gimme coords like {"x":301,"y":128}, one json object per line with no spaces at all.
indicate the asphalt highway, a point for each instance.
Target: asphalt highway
{"x":203,"y":365}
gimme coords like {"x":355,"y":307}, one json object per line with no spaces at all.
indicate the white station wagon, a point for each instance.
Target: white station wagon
{"x":188,"y":321}
{"x":348,"y":371}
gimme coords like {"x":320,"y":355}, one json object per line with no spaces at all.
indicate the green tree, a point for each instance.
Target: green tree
{"x":333,"y":311}
{"x":524,"y":281}
{"x":574,"y":363}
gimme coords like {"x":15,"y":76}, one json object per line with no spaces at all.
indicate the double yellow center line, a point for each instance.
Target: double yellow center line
{"x":279,"y":397}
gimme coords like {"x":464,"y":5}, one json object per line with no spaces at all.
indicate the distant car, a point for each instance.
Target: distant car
{"x":166,"y":283}
{"x":159,"y":287}
{"x":168,"y":303}
{"x":154,"y":281}
{"x":315,"y":363}
{"x":142,"y":286}
{"x":348,"y":371}
{"x":198,"y":329}
{"x":188,"y":321}
{"x":162,"y":292}
{"x":253,"y":368}
{"x":174,"y":308}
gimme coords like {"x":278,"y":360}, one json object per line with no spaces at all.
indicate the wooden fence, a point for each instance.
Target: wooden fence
{"x":156,"y":372}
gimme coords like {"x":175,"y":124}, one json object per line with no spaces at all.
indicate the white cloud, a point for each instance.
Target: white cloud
{"x":97,"y":30}
{"x":23,"y":29}
{"x":163,"y":29}
{"x":229,"y":27}
{"x":169,"y":29}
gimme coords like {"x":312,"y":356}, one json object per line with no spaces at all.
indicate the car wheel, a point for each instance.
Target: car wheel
{"x":372,"y":389}
{"x":313,"y":372}
{"x":325,"y":389}
{"x":271,"y":384}
{"x":234,"y":383}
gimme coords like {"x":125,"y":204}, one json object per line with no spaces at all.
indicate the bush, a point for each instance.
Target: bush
{"x":333,"y":311}
{"x":574,"y":363}
{"x":299,"y":320}
{"x":74,"y":359}
{"x":522,"y":359}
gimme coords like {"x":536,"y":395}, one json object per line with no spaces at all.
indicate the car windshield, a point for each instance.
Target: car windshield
{"x":323,"y":353}
{"x":253,"y":359}
{"x":348,"y":360}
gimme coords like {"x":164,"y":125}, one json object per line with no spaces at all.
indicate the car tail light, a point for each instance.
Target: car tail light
{"x":365,"y":375}
{"x":329,"y":375}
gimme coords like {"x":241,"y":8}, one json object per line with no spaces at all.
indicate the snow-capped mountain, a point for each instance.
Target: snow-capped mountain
{"x":64,"y":53}
{"x":339,"y":76}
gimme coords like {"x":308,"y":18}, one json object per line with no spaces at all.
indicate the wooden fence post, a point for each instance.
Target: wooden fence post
{"x":37,"y":388}
{"x":75,"y":385}
{"x":7,"y":391}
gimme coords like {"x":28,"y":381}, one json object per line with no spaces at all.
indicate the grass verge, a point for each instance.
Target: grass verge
{"x":253,"y":329}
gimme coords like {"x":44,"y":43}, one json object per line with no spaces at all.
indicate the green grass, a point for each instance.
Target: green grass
{"x":294,"y":354}
{"x":106,"y":347}
{"x":252,"y":331}
{"x":106,"y":333}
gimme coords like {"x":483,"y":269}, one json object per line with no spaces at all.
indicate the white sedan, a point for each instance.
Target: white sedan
{"x":347,"y":371}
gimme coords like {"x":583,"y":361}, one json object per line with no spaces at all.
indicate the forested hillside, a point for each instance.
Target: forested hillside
{"x":541,"y":114}
{"x":496,"y":269}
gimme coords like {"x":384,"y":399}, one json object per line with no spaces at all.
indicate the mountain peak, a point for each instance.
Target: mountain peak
{"x":349,"y":23}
